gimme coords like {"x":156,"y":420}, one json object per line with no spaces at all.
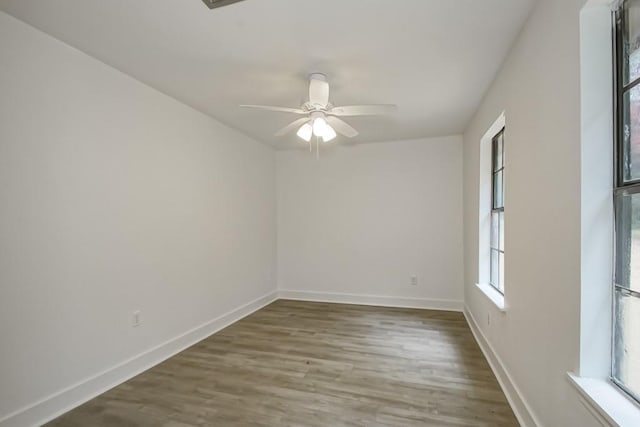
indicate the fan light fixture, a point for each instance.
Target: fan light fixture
{"x":319,"y":128}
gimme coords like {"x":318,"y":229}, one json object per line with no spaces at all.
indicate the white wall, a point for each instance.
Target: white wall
{"x":362,"y":219}
{"x":538,"y":87}
{"x":114,"y":197}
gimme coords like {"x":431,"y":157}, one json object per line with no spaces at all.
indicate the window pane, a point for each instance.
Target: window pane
{"x":495,"y":223}
{"x":501,"y":219}
{"x":626,"y":346}
{"x":494,"y":268}
{"x":632,"y":41}
{"x":631,"y":134}
{"x":497,"y":190}
{"x":502,"y":143}
{"x":501,"y":272}
{"x":497,"y":153}
{"x":628,"y":241}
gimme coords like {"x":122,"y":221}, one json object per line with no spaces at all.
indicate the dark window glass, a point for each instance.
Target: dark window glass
{"x":628,"y":241}
{"x":501,"y":230}
{"x":631,"y":41}
{"x":495,"y":230}
{"x":626,"y":341}
{"x":498,"y":190}
{"x":631,"y":134}
{"x":495,"y":266}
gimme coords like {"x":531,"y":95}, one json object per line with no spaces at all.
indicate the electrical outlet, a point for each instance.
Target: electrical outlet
{"x":414,"y":280}
{"x":136,"y":318}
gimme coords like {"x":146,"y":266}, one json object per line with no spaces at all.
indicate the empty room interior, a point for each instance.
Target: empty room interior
{"x":320,"y":213}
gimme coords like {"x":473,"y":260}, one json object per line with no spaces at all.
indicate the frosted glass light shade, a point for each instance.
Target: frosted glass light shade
{"x":329,"y":134}
{"x":305,"y":132}
{"x":319,"y":126}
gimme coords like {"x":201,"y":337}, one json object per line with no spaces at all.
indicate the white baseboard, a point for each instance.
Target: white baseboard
{"x":55,"y":405}
{"x":520,"y":407}
{"x":376,"y":300}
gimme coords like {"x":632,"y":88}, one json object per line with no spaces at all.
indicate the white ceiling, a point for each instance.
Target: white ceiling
{"x":433,"y":58}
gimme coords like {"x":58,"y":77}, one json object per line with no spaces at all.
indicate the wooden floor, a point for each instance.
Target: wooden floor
{"x":314,"y":364}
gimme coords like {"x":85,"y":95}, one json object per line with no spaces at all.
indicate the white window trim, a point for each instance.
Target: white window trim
{"x":484,"y":216}
{"x":492,"y":295}
{"x":606,"y":401}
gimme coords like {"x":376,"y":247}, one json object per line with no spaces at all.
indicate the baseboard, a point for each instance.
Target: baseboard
{"x":520,"y":407}
{"x":55,"y":405}
{"x":375,"y":300}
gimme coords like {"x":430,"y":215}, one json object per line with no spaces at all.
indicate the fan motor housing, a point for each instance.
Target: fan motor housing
{"x":212,"y":4}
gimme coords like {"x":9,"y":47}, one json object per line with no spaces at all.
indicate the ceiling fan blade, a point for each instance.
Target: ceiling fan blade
{"x":342,"y":127}
{"x":318,"y":93}
{"x":291,"y":126}
{"x":363,"y":110}
{"x":274,"y":108}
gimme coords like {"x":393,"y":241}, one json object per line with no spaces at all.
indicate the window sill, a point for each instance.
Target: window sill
{"x":493,"y":295}
{"x":605,"y":401}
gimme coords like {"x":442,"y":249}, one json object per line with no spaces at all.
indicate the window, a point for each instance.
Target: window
{"x":491,"y":213}
{"x":625,"y":370}
{"x":593,"y":380}
{"x":496,"y":276}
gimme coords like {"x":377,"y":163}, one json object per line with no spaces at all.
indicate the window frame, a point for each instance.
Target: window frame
{"x":497,"y":209}
{"x":621,"y":186}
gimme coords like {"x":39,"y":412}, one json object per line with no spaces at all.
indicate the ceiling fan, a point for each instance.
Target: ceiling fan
{"x":322,"y":118}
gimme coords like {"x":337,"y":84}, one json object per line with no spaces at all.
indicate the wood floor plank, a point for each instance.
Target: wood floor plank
{"x":298,"y":363}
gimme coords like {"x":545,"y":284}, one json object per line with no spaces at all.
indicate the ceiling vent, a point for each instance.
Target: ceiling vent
{"x":212,"y":4}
